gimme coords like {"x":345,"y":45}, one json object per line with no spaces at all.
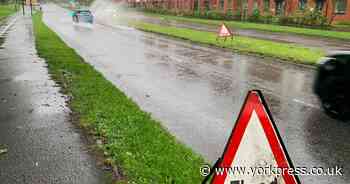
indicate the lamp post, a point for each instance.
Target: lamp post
{"x":31,"y":7}
{"x":23,"y":1}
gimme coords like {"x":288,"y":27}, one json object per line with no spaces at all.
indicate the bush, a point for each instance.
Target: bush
{"x":343,"y":23}
{"x":255,"y":17}
{"x":307,"y":17}
{"x":267,"y":18}
{"x":342,"y":26}
{"x":283,"y":20}
{"x":313,"y":17}
{"x":214,"y":14}
{"x":229,"y":15}
{"x":197,"y":14}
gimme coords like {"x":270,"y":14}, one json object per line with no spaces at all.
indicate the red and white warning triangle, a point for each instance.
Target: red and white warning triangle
{"x":254,"y":144}
{"x":224,"y":31}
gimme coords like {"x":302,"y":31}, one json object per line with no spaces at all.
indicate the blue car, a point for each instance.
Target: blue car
{"x":84,"y":16}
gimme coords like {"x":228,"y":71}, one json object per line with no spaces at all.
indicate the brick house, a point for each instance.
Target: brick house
{"x":338,"y":10}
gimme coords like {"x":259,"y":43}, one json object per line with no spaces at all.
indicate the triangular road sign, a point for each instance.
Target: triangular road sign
{"x":224,"y":31}
{"x":256,"y":147}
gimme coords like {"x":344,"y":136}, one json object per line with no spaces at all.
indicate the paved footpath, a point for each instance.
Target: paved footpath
{"x":43,"y":146}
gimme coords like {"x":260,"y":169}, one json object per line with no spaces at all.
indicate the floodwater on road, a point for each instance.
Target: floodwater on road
{"x":197,"y":91}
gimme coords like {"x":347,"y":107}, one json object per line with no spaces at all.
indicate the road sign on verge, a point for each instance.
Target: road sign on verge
{"x":256,"y":147}
{"x":224,"y":32}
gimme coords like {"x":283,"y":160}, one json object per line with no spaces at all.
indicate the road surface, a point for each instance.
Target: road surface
{"x":197,"y":91}
{"x":43,"y":146}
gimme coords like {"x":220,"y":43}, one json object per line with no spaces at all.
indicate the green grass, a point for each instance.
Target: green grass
{"x":6,"y":10}
{"x":283,"y":51}
{"x":261,"y":27}
{"x":145,"y":152}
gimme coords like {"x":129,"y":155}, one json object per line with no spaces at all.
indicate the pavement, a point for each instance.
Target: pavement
{"x":40,"y":143}
{"x":197,"y":91}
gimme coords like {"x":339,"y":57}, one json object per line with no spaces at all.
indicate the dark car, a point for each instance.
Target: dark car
{"x":84,"y":16}
{"x":332,"y":84}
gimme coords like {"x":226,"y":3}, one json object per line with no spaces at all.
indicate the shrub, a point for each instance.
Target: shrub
{"x":284,"y":20}
{"x":215,"y":14}
{"x":314,"y":17}
{"x":229,"y":15}
{"x":344,"y":23}
{"x":197,"y":14}
{"x":307,"y":17}
{"x":255,"y":17}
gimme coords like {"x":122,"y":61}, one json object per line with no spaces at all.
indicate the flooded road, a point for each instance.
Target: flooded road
{"x":197,"y":91}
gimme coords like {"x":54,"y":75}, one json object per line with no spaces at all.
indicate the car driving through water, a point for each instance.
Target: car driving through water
{"x":82,"y":16}
{"x":332,"y":84}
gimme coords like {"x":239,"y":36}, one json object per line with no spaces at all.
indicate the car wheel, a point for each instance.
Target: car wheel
{"x":336,"y":108}
{"x":75,"y":19}
{"x":334,"y":100}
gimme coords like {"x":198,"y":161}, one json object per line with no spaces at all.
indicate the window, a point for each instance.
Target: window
{"x":280,"y":7}
{"x":222,"y":4}
{"x":319,"y":5}
{"x":229,"y":6}
{"x":239,"y":4}
{"x":255,"y":5}
{"x":266,"y":5}
{"x":206,"y":4}
{"x":302,"y":4}
{"x":340,"y":6}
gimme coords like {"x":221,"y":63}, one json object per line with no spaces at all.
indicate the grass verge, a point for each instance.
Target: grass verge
{"x":244,"y":44}
{"x":145,"y":152}
{"x":261,"y":27}
{"x":6,"y":10}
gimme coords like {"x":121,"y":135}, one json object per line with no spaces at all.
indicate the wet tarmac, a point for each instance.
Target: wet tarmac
{"x":197,"y":91}
{"x":43,"y":146}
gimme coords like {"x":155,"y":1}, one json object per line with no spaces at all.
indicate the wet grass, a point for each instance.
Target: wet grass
{"x":132,"y":140}
{"x":6,"y":10}
{"x":261,"y":27}
{"x":283,"y":51}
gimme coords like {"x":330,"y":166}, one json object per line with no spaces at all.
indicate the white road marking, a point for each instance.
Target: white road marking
{"x":306,"y":104}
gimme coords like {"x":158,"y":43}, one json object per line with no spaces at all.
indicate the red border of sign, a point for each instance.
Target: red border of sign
{"x":255,"y":101}
{"x":228,"y":29}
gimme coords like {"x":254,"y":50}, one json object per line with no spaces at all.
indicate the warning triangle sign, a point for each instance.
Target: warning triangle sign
{"x":254,"y":153}
{"x":224,"y":31}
